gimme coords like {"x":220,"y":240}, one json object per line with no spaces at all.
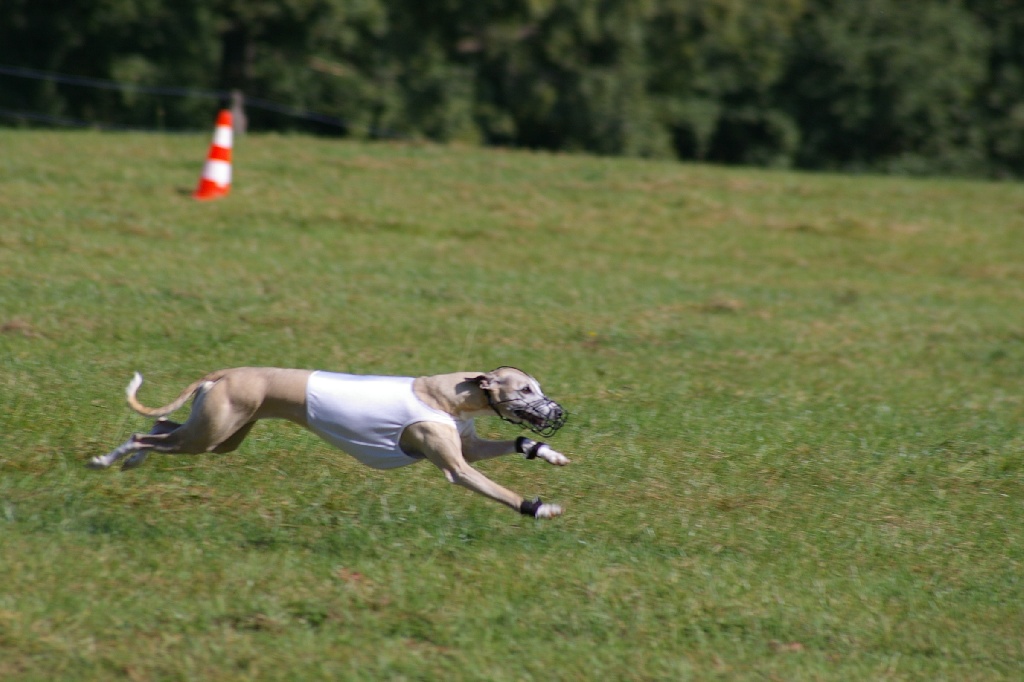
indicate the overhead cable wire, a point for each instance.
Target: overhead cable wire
{"x":170,"y":91}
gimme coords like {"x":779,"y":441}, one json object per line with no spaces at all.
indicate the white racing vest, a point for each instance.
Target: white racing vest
{"x":366,"y":415}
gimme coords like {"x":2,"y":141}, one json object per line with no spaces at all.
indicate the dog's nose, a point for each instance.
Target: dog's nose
{"x":556,"y":414}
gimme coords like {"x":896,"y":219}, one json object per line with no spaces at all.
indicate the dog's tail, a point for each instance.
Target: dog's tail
{"x":133,"y":387}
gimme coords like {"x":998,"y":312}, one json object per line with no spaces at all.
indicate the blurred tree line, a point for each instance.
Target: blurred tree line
{"x":912,"y":86}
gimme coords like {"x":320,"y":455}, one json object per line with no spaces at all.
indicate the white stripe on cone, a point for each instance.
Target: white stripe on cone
{"x":218,"y":172}
{"x":222,"y":137}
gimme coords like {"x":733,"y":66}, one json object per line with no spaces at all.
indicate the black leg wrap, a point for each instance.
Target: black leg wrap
{"x":527,"y":447}
{"x":530,"y":507}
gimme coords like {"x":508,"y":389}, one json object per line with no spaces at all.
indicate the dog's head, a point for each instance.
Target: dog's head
{"x":516,"y":397}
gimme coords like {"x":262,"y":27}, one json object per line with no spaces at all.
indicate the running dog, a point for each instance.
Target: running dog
{"x":384,"y":422}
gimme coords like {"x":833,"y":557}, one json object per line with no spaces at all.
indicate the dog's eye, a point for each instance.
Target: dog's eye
{"x":527,"y":390}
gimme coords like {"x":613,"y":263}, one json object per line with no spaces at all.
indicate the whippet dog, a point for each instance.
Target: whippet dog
{"x":384,"y":422}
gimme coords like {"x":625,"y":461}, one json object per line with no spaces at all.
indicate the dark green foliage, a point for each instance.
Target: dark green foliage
{"x":714,"y":68}
{"x":888,"y":83}
{"x":1001,"y":104}
{"x":909,"y":86}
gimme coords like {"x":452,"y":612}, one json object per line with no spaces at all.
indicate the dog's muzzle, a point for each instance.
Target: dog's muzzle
{"x":542,"y":416}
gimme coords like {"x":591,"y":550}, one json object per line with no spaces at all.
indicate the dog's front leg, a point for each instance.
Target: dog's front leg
{"x":441,"y":445}
{"x":538,"y":450}
{"x":476,"y":449}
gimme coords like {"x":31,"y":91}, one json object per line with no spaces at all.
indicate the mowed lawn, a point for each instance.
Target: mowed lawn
{"x":797,"y":423}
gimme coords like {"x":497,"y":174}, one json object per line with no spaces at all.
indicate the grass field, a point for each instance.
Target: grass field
{"x":797,"y":409}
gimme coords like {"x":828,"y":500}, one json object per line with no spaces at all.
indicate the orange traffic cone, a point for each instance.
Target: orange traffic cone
{"x":216,"y":178}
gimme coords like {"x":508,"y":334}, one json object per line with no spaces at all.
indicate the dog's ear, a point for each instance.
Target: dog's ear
{"x":484,"y":381}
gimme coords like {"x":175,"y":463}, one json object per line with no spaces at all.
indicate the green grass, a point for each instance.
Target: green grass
{"x":796,"y":425}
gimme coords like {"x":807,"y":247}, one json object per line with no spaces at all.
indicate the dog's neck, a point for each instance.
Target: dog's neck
{"x":458,"y":394}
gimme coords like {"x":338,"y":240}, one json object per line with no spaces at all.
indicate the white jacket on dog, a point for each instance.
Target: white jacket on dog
{"x":366,"y":415}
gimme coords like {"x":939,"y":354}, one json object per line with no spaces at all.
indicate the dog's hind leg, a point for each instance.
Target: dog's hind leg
{"x":163,"y":426}
{"x":103,"y":461}
{"x":133,"y":447}
{"x":232,"y":443}
{"x":217,"y":423}
{"x":136,"y":459}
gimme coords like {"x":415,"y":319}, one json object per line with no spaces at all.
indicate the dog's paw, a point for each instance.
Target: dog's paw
{"x":548,"y":511}
{"x":552,"y":456}
{"x":538,"y":509}
{"x":98,"y":462}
